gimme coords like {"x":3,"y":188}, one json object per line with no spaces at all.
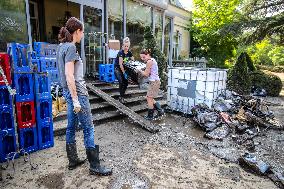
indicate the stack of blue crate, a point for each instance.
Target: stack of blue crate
{"x":106,"y":73}
{"x":45,"y":59}
{"x":7,"y":128}
{"x":44,"y":110}
{"x":46,"y":75}
{"x":23,"y":82}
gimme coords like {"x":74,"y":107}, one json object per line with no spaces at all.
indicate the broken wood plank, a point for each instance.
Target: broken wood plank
{"x":124,"y":109}
{"x":95,"y":107}
{"x":60,"y":125}
{"x":113,"y":114}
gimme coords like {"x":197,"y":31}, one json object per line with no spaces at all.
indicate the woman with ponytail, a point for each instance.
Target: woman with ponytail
{"x":76,"y":95}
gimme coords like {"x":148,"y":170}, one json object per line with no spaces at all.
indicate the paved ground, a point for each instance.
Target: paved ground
{"x":176,"y":157}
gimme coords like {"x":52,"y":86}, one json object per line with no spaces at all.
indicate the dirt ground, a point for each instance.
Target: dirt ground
{"x":176,"y":157}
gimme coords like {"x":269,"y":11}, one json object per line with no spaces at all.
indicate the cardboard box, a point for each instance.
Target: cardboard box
{"x":55,"y":110}
{"x":114,"y":44}
{"x":62,"y":106}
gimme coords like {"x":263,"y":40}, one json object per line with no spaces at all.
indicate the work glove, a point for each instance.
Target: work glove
{"x":77,"y":106}
{"x":125,"y":75}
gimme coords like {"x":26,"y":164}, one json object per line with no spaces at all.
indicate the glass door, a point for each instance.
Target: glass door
{"x":93,"y":40}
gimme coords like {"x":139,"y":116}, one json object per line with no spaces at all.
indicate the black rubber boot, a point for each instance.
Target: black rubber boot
{"x":160,"y":110}
{"x":150,"y":115}
{"x":94,"y":159}
{"x":72,"y":156}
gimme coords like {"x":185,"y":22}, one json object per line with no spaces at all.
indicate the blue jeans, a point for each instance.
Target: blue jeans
{"x":84,"y":117}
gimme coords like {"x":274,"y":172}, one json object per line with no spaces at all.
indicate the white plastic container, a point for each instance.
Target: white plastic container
{"x":188,"y":87}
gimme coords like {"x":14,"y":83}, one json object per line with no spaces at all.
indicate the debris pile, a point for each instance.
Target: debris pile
{"x":245,"y":117}
{"x":242,"y":118}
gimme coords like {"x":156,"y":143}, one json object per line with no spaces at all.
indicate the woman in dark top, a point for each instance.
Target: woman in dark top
{"x":76,"y":95}
{"x":123,"y":56}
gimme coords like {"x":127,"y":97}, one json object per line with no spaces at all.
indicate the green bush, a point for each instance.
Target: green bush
{"x":271,"y":83}
{"x":238,"y":77}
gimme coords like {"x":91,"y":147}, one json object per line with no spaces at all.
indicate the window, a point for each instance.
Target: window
{"x":167,"y":36}
{"x":13,"y":23}
{"x":115,"y":21}
{"x":34,"y":20}
{"x":158,"y":16}
{"x":177,"y":45}
{"x":138,"y":16}
{"x":93,"y":38}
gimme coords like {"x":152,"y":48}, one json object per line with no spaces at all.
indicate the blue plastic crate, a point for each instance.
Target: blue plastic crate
{"x":36,"y":64}
{"x":45,"y":135}
{"x":102,"y":69}
{"x":24,"y":85}
{"x":5,"y":97}
{"x":44,"y":49}
{"x":102,"y":77}
{"x":48,"y":63}
{"x":42,"y":86}
{"x":109,"y":78}
{"x":50,"y":50}
{"x":19,"y":57}
{"x":53,"y":76}
{"x":109,"y":68}
{"x":7,"y":119}
{"x":39,"y":46}
{"x":28,"y":139}
{"x":33,"y":55}
{"x":44,"y":110}
{"x":8,"y":145}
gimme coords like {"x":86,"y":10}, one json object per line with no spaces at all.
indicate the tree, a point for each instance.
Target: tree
{"x":238,"y":78}
{"x":260,"y":18}
{"x":267,"y":52}
{"x":151,"y":43}
{"x":209,"y":18}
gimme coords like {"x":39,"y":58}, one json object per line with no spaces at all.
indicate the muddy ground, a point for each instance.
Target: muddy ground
{"x":176,"y":157}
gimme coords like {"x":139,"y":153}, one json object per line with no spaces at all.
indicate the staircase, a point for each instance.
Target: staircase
{"x":102,"y":111}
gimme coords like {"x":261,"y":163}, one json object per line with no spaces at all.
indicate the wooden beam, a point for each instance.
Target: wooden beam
{"x":124,"y":109}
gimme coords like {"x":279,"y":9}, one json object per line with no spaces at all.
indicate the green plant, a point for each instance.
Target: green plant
{"x":250,"y":64}
{"x":151,"y":43}
{"x":271,"y":83}
{"x":238,"y":77}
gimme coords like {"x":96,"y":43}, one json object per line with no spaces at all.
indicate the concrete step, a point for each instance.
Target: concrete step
{"x":115,"y":87}
{"x":104,"y":106}
{"x":114,"y":114}
{"x":129,"y":93}
{"x":60,"y":126}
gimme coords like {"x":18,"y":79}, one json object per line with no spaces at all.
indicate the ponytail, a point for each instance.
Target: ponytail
{"x":64,"y":35}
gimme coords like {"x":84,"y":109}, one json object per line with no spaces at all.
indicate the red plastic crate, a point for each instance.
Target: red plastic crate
{"x":25,"y":114}
{"x":5,"y":64}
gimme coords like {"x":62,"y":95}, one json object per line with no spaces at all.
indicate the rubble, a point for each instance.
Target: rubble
{"x":277,"y":177}
{"x":240,"y":114}
{"x":240,"y":119}
{"x":219,"y":133}
{"x":251,"y":162}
